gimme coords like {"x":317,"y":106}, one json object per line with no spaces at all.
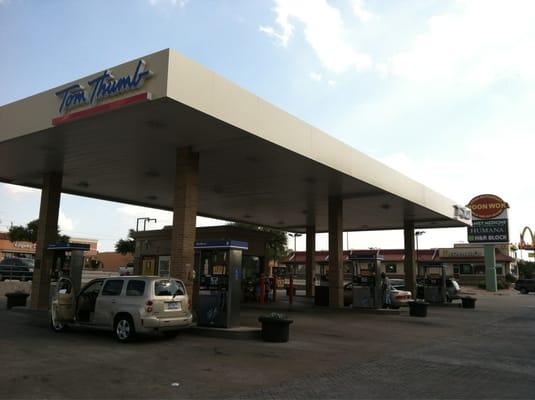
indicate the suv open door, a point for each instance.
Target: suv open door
{"x":62,"y":307}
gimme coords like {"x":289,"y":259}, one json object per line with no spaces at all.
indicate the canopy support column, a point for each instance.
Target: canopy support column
{"x":310,"y":259}
{"x":184,"y":217}
{"x":409,"y":262}
{"x":336,"y":262}
{"x":47,"y":233}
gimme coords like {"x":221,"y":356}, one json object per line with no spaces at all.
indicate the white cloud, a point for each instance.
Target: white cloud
{"x":315,"y":76}
{"x":16,"y":190}
{"x":360,"y":11}
{"x":163,"y":218}
{"x":282,"y":38}
{"x":65,"y":223}
{"x":324,"y":31}
{"x":331,"y":83}
{"x":173,"y":3}
{"x":479,"y":42}
{"x":498,"y":162}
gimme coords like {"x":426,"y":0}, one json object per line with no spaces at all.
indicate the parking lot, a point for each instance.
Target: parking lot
{"x":453,"y":353}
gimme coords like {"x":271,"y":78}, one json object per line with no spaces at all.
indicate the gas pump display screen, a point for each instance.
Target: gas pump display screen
{"x":214,"y":271}
{"x":219,"y":270}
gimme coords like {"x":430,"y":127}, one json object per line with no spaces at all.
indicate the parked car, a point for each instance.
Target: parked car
{"x":525,"y":286}
{"x":125,"y":305}
{"x":398,"y":295}
{"x":453,"y":289}
{"x":16,"y":268}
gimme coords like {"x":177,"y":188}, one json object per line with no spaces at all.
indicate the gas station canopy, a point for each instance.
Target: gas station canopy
{"x":114,"y":136}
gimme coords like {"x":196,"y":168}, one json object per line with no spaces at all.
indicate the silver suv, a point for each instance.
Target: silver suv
{"x":126,"y":305}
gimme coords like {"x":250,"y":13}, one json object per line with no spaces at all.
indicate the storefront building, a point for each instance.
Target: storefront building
{"x":153,"y":249}
{"x":466,"y":263}
{"x":27,"y":249}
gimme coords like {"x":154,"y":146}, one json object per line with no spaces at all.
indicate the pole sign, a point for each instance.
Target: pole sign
{"x":523,"y":245}
{"x":490,"y":223}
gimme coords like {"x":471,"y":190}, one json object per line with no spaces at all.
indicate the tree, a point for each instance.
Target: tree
{"x":28,"y":233}
{"x":277,"y":243}
{"x":128,"y":245}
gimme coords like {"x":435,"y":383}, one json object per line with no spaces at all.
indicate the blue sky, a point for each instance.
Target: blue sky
{"x":441,"y":90}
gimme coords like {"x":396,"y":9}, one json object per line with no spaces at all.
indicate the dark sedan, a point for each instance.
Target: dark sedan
{"x":16,"y":268}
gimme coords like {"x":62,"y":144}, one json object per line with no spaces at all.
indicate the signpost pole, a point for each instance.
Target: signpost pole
{"x":490,"y":268}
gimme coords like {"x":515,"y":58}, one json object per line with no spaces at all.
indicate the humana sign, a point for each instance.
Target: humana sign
{"x":103,"y":86}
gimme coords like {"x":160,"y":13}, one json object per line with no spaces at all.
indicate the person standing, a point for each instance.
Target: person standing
{"x":386,"y":286}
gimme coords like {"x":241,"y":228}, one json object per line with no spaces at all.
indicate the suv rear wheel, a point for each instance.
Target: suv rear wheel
{"x":524,"y":290}
{"x":124,"y":328}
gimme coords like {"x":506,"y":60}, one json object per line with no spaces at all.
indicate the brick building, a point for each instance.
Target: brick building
{"x":464,"y":262}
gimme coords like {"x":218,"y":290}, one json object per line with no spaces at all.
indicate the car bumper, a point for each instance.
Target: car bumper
{"x":152,"y":323}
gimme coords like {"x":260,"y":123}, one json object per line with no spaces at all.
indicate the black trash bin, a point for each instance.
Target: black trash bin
{"x":468,"y":302}
{"x":418,"y":308}
{"x":321,"y":296}
{"x":16,"y":299}
{"x":275,"y":329}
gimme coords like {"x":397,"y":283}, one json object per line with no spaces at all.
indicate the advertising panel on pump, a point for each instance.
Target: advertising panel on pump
{"x":490,"y":223}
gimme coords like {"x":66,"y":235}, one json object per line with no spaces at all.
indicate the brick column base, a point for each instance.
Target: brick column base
{"x":184,"y":217}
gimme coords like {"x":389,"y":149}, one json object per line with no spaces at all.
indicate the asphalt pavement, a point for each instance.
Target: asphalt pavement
{"x":453,"y":353}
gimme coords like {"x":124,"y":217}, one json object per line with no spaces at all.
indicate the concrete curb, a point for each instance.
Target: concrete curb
{"x":239,"y":333}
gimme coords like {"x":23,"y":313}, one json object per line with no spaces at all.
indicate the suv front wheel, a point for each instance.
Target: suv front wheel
{"x":524,"y":290}
{"x":55,"y":324}
{"x":124,"y":328}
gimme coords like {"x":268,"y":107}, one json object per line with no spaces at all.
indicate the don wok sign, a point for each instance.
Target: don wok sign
{"x":487,"y":206}
{"x":489,"y":222}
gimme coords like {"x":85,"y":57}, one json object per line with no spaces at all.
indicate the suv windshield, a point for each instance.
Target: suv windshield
{"x":168,"y":287}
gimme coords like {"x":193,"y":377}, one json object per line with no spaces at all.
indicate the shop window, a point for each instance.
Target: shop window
{"x":499,"y":269}
{"x":466,"y":269}
{"x":479,"y":269}
{"x":456,"y":269}
{"x":163,"y":266}
{"x":391,"y":268}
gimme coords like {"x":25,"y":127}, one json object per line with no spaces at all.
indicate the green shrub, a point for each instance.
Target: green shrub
{"x":503,"y":285}
{"x":510,"y":278}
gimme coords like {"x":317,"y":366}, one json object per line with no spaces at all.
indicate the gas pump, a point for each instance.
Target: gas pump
{"x":433,"y":283}
{"x":68,"y":260}
{"x":366,"y":279}
{"x":219,"y":275}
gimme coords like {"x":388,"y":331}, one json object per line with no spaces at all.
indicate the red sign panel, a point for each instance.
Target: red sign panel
{"x":487,"y":206}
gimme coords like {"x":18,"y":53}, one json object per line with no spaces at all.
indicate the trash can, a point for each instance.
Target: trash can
{"x":418,"y":308}
{"x":275,"y":329}
{"x":16,"y":299}
{"x":468,"y":302}
{"x":321,"y":296}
